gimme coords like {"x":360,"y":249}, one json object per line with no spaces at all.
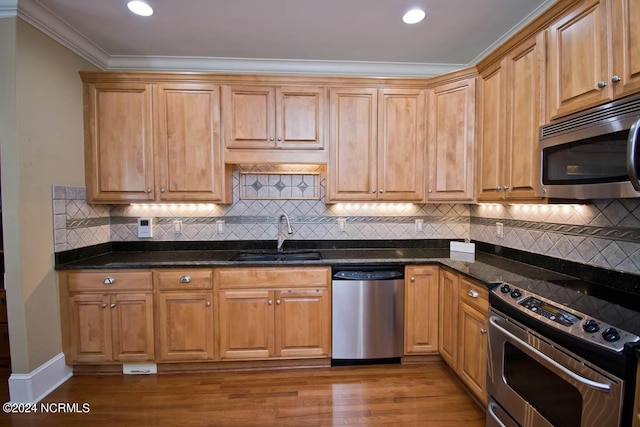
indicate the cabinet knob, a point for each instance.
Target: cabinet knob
{"x":373,"y":190}
{"x":162,"y":190}
{"x":381,"y":190}
{"x":602,"y":84}
{"x":483,"y":331}
{"x":498,"y":188}
{"x":505,"y":187}
{"x":277,"y":302}
{"x":616,"y":79}
{"x":430,"y":191}
{"x":271,"y":139}
{"x":413,"y":279}
{"x":185,"y":279}
{"x":279,"y":138}
{"x":473,"y":293}
{"x":208,"y":304}
{"x":104,"y":305}
{"x":270,"y":302}
{"x":149,"y":190}
{"x":108,"y":280}
{"x":112,"y":306}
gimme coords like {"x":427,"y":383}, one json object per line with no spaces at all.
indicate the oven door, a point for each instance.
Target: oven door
{"x":539,"y":383}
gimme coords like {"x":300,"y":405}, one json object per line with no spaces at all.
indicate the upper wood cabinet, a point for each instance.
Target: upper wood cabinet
{"x":189,"y":164}
{"x":274,"y":118}
{"x":451,"y":141}
{"x":594,"y":55}
{"x":153,"y":142}
{"x":377,"y":143}
{"x":118,"y":142}
{"x":511,"y":112}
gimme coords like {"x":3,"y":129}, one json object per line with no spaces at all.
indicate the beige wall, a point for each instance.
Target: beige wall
{"x":47,"y":149}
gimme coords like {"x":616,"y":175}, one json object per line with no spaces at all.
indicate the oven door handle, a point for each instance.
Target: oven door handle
{"x":632,"y":155}
{"x":528,"y":348}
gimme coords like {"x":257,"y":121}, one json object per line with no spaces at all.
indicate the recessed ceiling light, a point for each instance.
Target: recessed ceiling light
{"x":413,"y":16}
{"x":140,"y":8}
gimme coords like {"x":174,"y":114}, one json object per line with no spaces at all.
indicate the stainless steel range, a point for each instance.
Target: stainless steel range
{"x":558,"y":357}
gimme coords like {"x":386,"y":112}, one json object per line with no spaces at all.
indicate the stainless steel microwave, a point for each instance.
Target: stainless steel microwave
{"x":592,"y":154}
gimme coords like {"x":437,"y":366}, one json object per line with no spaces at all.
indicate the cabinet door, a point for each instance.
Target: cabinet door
{"x":302,"y":323}
{"x":353,"y":139}
{"x":189,"y":162}
{"x":246,"y":324}
{"x":132,"y":327}
{"x":90,"y":328}
{"x":401,"y":144}
{"x":421,"y":310}
{"x":448,"y":319}
{"x":118,"y":142}
{"x":626,"y":47}
{"x":249,"y":116}
{"x":472,"y":358}
{"x":524,"y":112}
{"x":185,"y":324}
{"x":492,"y":134}
{"x":451,"y":142}
{"x":579,"y":59}
{"x":300,"y":113}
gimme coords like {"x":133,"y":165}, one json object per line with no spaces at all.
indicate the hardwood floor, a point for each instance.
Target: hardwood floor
{"x":391,"y":395}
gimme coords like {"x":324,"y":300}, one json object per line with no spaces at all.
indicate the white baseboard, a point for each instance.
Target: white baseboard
{"x":34,"y":386}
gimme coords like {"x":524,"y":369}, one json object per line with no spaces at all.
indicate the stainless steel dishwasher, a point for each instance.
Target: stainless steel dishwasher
{"x":367,"y":314}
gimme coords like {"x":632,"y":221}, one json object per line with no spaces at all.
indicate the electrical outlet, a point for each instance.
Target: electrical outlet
{"x":177,"y":226}
{"x":499,"y":230}
{"x":342,"y":223}
{"x":419,"y":224}
{"x":220,"y":226}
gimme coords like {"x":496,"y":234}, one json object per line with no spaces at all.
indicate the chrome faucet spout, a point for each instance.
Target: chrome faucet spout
{"x":289,"y":230}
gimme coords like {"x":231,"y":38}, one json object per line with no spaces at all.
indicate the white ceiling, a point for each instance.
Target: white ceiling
{"x":365,"y":37}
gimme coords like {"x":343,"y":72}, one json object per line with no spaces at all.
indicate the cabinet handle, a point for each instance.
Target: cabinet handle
{"x":108,"y":280}
{"x":104,"y":305}
{"x":483,"y":331}
{"x":162,"y":190}
{"x":381,"y":190}
{"x":505,"y":187}
{"x":413,"y":279}
{"x":279,"y":139}
{"x":112,"y":306}
{"x":270,"y":302}
{"x":271,"y":139}
{"x":602,"y":84}
{"x":473,"y":293}
{"x":208,"y":304}
{"x":616,"y":79}
{"x":373,"y":190}
{"x":149,"y":190}
{"x":430,"y":191}
{"x":498,"y":188}
{"x":185,"y":279}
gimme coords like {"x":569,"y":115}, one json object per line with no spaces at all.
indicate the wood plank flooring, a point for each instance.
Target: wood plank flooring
{"x":389,"y":395}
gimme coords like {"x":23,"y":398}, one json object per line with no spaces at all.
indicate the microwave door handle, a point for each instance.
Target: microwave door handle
{"x":632,"y":155}
{"x":529,"y":349}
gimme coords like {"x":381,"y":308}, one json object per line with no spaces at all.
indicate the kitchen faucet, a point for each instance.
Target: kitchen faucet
{"x":289,"y":230}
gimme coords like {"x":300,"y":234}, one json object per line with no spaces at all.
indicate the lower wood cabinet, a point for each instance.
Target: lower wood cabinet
{"x":464,"y":306}
{"x":103,"y":322}
{"x":421,"y":310}
{"x":185,"y":315}
{"x":274,"y":312}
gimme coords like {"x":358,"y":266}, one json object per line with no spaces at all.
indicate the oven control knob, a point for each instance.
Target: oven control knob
{"x":611,"y":335}
{"x":516,"y":293}
{"x":591,"y":326}
{"x":505,"y":289}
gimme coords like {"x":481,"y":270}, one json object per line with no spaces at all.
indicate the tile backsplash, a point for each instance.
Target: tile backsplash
{"x":604,"y":234}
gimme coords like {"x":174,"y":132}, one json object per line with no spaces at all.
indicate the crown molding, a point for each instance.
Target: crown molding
{"x":280,"y":66}
{"x":8,"y":8}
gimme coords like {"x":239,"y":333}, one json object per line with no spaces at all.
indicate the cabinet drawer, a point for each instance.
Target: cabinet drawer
{"x":274,"y":277}
{"x":184,"y":279}
{"x":474,"y":294}
{"x":101,"y":281}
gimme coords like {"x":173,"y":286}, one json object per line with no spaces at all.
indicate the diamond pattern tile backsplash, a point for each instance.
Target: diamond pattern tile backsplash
{"x":604,"y":234}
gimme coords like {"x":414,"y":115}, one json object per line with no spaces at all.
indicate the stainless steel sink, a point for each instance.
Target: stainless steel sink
{"x":276,"y":256}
